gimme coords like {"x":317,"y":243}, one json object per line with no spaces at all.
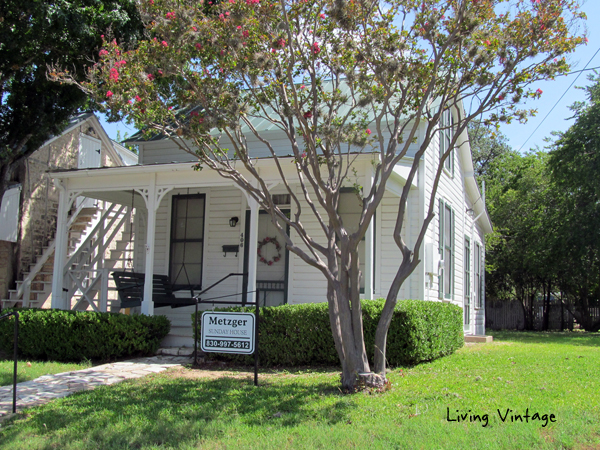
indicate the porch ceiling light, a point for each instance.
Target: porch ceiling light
{"x":233,"y":222}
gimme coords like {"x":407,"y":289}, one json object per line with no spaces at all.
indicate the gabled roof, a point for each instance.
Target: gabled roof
{"x":258,"y":122}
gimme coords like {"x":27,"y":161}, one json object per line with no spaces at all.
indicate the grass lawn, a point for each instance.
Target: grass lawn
{"x":30,"y":370}
{"x":546,"y":373}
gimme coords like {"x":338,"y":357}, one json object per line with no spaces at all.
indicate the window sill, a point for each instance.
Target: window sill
{"x":447,"y":172}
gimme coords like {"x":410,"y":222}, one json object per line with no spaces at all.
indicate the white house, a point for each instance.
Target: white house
{"x":197,"y":227}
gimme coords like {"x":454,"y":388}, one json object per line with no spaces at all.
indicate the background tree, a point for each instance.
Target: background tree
{"x":486,"y":147}
{"x":521,"y":258}
{"x":338,"y":79}
{"x":33,"y":35}
{"x":574,"y":166}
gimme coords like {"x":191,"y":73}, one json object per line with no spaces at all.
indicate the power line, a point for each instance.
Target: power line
{"x":576,"y":71}
{"x":561,"y":97}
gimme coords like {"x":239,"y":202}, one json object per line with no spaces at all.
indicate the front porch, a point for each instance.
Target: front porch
{"x":196,"y":227}
{"x":160,"y":195}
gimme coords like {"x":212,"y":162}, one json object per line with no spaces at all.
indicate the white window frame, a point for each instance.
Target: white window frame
{"x":444,"y":248}
{"x":478,"y":276}
{"x":446,"y":133}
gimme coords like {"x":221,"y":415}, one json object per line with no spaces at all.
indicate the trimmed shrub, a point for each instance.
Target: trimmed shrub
{"x":77,"y":335}
{"x":293,"y":335}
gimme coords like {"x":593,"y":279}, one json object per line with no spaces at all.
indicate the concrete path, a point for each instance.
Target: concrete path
{"x":48,"y":387}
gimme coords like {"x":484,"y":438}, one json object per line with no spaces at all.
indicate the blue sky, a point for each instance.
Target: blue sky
{"x":522,"y":136}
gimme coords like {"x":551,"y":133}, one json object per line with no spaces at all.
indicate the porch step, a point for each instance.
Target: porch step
{"x":478,"y":339}
{"x":179,"y":337}
{"x":175,"y":351}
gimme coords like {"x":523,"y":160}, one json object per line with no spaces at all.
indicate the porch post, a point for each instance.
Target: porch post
{"x":147,"y":303}
{"x":369,"y":247}
{"x":252,"y":241}
{"x":60,"y":249}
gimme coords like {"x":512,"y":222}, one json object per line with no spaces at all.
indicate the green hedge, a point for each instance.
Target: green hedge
{"x":293,"y":335}
{"x":77,"y":335}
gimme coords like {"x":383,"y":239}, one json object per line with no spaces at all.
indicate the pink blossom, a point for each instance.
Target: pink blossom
{"x":539,"y":91}
{"x":368,"y":131}
{"x":252,"y":2}
{"x":160,"y":72}
{"x":150,"y":77}
{"x":487,"y":42}
{"x":308,"y":114}
{"x":114,"y":75}
{"x":120,"y":63}
{"x":201,"y":119}
{"x":103,"y":52}
{"x":281,"y":43}
{"x":222,"y":52}
{"x":221,"y":16}
{"x":315,"y":48}
{"x":322,"y":16}
{"x":239,"y":27}
{"x":151,"y":2}
{"x":231,"y":1}
{"x":194,"y":28}
{"x":138,"y":98}
{"x":109,"y":94}
{"x":199,"y":46}
{"x":245,"y":33}
{"x":586,"y":40}
{"x":501,"y":97}
{"x":101,"y":36}
{"x":303,"y":155}
{"x":227,"y":13}
{"x":302,"y":87}
{"x":194,"y":114}
{"x":164,"y":44}
{"x":129,"y":101}
{"x":170,"y":15}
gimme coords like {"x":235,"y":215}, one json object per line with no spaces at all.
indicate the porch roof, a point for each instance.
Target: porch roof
{"x":121,"y":184}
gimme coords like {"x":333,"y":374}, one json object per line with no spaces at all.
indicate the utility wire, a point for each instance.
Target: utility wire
{"x":576,"y":71}
{"x":561,"y":97}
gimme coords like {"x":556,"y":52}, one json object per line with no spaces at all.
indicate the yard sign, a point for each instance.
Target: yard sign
{"x":227,"y":332}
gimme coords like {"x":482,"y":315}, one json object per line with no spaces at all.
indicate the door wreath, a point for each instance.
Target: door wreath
{"x":261,"y":244}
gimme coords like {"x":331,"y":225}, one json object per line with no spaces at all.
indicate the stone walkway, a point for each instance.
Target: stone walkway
{"x":49,"y":387}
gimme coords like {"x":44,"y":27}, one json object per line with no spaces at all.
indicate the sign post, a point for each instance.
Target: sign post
{"x":228,"y":332}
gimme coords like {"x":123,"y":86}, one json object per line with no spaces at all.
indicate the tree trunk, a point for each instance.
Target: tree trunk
{"x":345,"y":317}
{"x":547,"y":307}
{"x":387,"y":314}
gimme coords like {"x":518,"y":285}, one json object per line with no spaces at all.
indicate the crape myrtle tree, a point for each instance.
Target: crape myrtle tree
{"x":34,"y":34}
{"x":337,"y":78}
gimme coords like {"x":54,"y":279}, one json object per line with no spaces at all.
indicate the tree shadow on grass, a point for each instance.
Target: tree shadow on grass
{"x":578,"y":338}
{"x":173,"y":412}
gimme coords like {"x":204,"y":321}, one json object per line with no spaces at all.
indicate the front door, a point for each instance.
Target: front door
{"x":272,"y":261}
